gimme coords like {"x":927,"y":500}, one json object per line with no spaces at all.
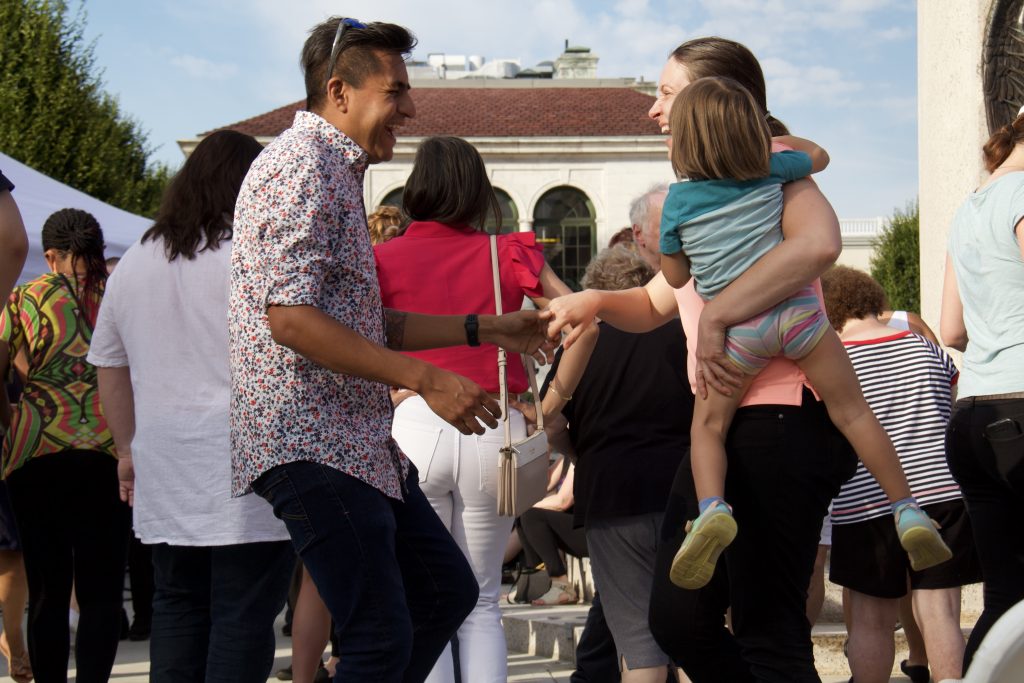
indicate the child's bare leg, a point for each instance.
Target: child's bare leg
{"x":829,"y":369}
{"x":711,"y":419}
{"x":831,"y":374}
{"x":714,"y":529}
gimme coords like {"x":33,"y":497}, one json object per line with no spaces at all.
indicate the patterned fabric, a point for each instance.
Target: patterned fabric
{"x":791,"y":328}
{"x":300,"y":239}
{"x":59,"y":408}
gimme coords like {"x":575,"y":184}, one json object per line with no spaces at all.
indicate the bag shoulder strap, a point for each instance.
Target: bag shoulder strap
{"x":528,"y":363}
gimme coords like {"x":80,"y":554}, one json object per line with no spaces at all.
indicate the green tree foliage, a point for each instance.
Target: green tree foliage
{"x":56,"y":116}
{"x":896,"y":262}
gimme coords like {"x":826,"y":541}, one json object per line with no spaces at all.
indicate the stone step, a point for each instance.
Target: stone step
{"x":832,"y":609}
{"x":553,"y":632}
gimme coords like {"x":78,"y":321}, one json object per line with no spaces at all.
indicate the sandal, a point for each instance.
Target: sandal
{"x":558,"y":594}
{"x":18,"y":666}
{"x":917,"y":673}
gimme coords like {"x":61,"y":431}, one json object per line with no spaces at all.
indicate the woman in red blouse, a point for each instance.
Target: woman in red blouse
{"x":442,"y":265}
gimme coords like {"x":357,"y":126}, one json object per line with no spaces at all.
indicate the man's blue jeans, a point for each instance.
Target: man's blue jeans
{"x":395,"y":582}
{"x":214,"y":610}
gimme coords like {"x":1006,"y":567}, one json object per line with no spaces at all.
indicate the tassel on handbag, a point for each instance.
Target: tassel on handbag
{"x":523,"y":464}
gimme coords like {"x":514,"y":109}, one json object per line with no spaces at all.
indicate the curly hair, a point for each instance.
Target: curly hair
{"x":385,"y":223}
{"x":851,"y":294}
{"x":616,"y":268}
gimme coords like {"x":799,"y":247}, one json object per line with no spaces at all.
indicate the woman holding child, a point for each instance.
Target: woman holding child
{"x":785,"y":459}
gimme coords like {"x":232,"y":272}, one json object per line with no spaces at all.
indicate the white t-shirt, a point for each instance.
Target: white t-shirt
{"x":167,"y":321}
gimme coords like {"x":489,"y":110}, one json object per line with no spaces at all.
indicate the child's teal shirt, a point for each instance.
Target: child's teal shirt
{"x":724,"y":226}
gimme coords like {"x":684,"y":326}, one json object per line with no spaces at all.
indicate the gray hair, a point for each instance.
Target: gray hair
{"x":640,"y":207}
{"x":616,"y":268}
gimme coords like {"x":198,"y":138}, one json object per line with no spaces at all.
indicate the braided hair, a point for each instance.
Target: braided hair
{"x":1002,"y":142}
{"x":77,"y":233}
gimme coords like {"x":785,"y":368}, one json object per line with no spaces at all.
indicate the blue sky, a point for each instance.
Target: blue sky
{"x":840,"y":72}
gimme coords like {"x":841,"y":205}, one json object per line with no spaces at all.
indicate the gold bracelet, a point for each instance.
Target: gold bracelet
{"x":552,"y":387}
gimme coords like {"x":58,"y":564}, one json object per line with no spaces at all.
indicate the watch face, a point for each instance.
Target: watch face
{"x":1004,"y":43}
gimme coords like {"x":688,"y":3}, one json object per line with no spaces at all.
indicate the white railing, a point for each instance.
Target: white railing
{"x":861,"y":227}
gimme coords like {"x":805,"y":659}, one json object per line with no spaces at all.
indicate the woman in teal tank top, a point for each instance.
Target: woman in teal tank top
{"x":983,"y":315}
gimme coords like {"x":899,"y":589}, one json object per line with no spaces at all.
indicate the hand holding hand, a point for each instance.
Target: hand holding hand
{"x":523,"y":332}
{"x":576,"y":311}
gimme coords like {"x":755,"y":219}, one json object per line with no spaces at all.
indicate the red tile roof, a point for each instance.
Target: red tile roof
{"x":504,"y":112}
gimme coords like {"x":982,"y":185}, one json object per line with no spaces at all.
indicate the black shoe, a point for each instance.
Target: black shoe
{"x":917,"y":673}
{"x":140,"y":629}
{"x":285,"y":674}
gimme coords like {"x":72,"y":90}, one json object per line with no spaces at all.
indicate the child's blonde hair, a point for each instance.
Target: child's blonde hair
{"x":718,"y":132}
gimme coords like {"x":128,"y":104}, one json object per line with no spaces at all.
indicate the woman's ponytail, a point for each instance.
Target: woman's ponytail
{"x":1002,"y":142}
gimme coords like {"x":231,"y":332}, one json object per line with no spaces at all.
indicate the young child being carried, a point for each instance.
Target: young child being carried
{"x":716,"y":223}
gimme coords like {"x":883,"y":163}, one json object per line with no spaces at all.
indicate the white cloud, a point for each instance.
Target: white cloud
{"x":791,"y":84}
{"x":894,"y":33}
{"x":199,"y":67}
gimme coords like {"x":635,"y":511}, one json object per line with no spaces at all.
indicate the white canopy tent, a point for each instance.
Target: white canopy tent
{"x":38,"y":196}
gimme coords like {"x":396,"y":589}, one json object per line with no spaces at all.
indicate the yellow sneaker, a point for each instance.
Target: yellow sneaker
{"x":706,"y":538}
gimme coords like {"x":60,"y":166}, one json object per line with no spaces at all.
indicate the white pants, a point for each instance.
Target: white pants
{"x":459,"y":476}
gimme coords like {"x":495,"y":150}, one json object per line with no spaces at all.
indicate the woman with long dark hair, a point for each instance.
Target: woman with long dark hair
{"x":442,"y":265}
{"x":221,"y":564}
{"x":59,"y":459}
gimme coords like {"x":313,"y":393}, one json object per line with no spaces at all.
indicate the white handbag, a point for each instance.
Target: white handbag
{"x":523,"y":464}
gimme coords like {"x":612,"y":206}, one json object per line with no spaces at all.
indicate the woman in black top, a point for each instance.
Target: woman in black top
{"x":628,"y":423}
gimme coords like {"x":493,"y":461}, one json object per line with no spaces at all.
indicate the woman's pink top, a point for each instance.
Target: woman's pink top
{"x":446,"y":270}
{"x":779,"y":383}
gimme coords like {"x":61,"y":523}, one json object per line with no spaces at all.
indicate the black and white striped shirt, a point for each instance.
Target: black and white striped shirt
{"x":907,"y":381}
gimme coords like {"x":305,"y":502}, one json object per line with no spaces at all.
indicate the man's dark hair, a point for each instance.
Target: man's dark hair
{"x":357,"y":54}
{"x":198,"y":205}
{"x":449,"y":184}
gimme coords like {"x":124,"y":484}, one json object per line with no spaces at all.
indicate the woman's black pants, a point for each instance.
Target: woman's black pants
{"x":74,"y":528}
{"x":785,"y":464}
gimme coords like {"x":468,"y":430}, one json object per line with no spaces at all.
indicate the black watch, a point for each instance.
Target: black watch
{"x":472,"y":325}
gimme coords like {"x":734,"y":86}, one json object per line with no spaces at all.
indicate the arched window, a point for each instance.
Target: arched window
{"x":509,"y":213}
{"x":565,"y":225}
{"x":393,"y":198}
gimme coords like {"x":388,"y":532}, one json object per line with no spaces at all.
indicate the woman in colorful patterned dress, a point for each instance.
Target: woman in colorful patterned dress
{"x":58,"y":456}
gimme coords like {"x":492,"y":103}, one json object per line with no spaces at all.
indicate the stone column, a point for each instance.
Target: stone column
{"x":951,"y":127}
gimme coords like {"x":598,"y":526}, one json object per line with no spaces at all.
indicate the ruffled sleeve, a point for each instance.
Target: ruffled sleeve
{"x":526,"y":257}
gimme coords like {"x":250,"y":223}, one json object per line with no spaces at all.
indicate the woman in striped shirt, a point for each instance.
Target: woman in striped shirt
{"x":908,"y":382}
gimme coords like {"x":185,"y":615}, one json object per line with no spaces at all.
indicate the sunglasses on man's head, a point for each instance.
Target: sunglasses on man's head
{"x":343,"y":25}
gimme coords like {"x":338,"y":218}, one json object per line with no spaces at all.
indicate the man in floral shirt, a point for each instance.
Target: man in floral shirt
{"x":313,"y":354}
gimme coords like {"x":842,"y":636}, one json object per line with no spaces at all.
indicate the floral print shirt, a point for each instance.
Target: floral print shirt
{"x":300,"y":239}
